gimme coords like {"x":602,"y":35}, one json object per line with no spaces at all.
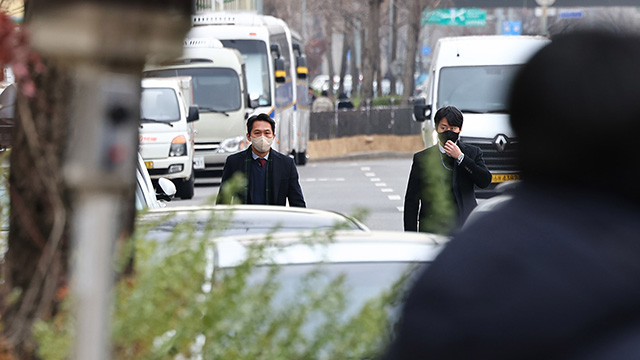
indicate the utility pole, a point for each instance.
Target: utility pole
{"x":107,"y":44}
{"x":545,"y":4}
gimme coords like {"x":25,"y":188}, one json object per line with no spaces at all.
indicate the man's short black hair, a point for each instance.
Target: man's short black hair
{"x":260,"y":117}
{"x":453,"y":115}
{"x":324,"y":93}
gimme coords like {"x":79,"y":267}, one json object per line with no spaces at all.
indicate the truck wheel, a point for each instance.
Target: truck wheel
{"x":185,"y":188}
{"x":301,"y":158}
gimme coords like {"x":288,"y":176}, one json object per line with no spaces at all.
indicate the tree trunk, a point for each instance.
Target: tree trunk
{"x":38,"y":245}
{"x":343,"y":60}
{"x":413,"y":34}
{"x":355,"y":73}
{"x":372,"y":47}
{"x":329,"y":53}
{"x":393,"y":46}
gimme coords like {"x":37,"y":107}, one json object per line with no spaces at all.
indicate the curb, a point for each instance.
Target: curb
{"x":367,"y":155}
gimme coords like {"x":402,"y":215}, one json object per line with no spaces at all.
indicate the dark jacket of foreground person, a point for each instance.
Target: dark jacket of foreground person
{"x":555,"y":272}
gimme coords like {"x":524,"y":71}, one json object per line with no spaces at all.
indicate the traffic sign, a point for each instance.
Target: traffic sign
{"x":512,"y":27}
{"x":426,"y":50}
{"x":570,"y":14}
{"x":455,"y":17}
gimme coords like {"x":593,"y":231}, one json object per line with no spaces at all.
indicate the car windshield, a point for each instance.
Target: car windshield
{"x":160,"y":104}
{"x":476,"y":89}
{"x":214,"y":89}
{"x":256,"y":62}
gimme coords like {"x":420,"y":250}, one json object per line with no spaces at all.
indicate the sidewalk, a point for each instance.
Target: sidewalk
{"x":364,"y":147}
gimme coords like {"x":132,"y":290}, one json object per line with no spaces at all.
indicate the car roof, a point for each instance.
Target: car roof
{"x":259,"y":218}
{"x":345,"y":246}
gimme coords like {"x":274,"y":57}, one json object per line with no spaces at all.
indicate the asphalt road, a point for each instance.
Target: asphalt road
{"x":376,"y":186}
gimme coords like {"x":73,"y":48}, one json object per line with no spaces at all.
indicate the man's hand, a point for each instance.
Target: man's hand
{"x":452,"y":149}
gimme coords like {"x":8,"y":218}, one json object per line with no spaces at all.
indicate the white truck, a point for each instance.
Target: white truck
{"x":276,"y":71}
{"x":474,"y":74}
{"x":220,"y":92}
{"x":167,"y":131}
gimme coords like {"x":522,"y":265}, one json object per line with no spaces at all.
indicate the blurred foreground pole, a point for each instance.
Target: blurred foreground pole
{"x":105,"y":45}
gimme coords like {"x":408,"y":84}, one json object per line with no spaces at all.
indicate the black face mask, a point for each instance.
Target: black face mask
{"x":448,"y":135}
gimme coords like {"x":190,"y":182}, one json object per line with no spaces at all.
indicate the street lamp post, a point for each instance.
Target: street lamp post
{"x":545,"y":4}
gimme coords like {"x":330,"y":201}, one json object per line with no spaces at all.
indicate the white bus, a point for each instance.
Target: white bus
{"x":272,"y":70}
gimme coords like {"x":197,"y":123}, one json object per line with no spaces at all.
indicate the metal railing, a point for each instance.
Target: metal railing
{"x":220,"y":5}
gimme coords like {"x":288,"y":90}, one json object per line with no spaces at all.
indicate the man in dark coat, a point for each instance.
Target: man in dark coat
{"x":442,"y":178}
{"x":555,"y":272}
{"x":271,"y":177}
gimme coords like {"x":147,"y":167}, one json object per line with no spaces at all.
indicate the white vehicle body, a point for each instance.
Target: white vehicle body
{"x":276,"y":91}
{"x":474,"y":74}
{"x":166,"y":135}
{"x":219,"y":90}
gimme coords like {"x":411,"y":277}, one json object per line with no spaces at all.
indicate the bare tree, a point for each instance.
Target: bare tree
{"x":372,"y":49}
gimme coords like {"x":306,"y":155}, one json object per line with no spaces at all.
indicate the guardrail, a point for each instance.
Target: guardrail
{"x":378,"y":121}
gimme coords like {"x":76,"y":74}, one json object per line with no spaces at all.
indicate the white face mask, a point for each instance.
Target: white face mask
{"x":262,"y":144}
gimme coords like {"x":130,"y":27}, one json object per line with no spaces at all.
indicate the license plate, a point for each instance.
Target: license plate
{"x":198,"y":162}
{"x":496,"y":178}
{"x":148,"y":164}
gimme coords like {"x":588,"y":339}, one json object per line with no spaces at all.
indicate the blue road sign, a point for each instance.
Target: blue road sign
{"x":574,"y":14}
{"x":426,"y":50}
{"x":512,"y":27}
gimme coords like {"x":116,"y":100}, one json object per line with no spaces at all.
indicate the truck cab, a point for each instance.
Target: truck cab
{"x":167,"y":131}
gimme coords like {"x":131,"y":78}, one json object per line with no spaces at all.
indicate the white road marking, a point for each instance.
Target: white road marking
{"x":400,"y":208}
{"x":387,"y":190}
{"x":395,"y":197}
{"x":375,"y":179}
{"x":365,"y":168}
{"x":370,"y":174}
{"x":380,"y":184}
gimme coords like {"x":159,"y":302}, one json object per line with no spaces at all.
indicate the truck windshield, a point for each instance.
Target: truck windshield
{"x":159,"y":104}
{"x":256,"y":63}
{"x":214,"y":89}
{"x":476,"y":89}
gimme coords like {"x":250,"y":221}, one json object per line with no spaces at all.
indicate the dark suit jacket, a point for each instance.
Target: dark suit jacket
{"x":472,"y":171}
{"x":284,"y":182}
{"x":552,"y":274}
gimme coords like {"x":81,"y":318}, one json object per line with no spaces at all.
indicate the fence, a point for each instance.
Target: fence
{"x":218,"y":5}
{"x":376,"y":121}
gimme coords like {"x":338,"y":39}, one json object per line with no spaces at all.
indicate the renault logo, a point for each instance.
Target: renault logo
{"x":500,"y":141}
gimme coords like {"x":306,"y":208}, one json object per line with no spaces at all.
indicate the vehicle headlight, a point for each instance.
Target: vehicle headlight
{"x":234,"y":144}
{"x":178,"y":146}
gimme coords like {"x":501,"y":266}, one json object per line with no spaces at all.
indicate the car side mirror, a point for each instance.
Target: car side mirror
{"x":194,"y":113}
{"x":166,"y":189}
{"x":254,"y":100}
{"x":301,"y":67}
{"x":421,"y":111}
{"x":281,"y":74}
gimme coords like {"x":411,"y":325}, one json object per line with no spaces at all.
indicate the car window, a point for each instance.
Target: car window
{"x":159,"y":104}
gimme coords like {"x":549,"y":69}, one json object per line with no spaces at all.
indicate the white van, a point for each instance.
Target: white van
{"x":219,"y":91}
{"x":474,"y":74}
{"x":167,"y":132}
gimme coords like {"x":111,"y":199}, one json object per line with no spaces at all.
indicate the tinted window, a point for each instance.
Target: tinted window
{"x":256,"y":63}
{"x":478,"y":89}
{"x":213,"y":88}
{"x":159,"y":104}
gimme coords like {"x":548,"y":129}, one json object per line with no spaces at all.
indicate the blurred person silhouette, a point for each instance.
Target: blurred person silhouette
{"x":344,"y":103}
{"x":311,"y":96}
{"x":554,"y":273}
{"x":322,"y":103}
{"x":272,"y":177}
{"x":440,"y":191}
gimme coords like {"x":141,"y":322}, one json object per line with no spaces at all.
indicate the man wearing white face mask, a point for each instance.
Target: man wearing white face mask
{"x":272,"y":178}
